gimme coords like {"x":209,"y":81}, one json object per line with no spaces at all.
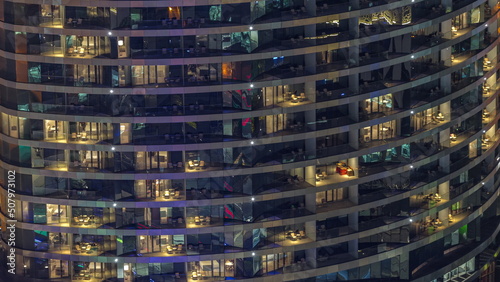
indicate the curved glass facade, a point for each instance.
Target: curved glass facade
{"x":275,"y":140}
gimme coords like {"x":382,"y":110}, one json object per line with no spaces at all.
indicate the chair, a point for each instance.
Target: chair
{"x":302,"y":234}
{"x":197,"y":220}
{"x":207,"y":220}
{"x":303,"y":96}
{"x":179,"y":248}
{"x":71,"y":51}
{"x":179,"y":165}
{"x":169,"y":250}
{"x":202,"y":164}
{"x":323,"y":174}
{"x":170,"y":165}
{"x":194,"y":275}
{"x":81,"y":51}
{"x":180,"y":220}
{"x":191,"y":164}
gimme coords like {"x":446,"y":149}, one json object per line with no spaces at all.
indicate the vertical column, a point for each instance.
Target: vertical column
{"x":353,"y":248}
{"x":354,"y":5}
{"x":310,"y":148}
{"x":310,"y":119}
{"x":354,"y":27}
{"x":444,"y":138}
{"x":353,"y":194}
{"x":311,"y":230}
{"x":70,"y":241}
{"x":310,"y":7}
{"x":353,"y":163}
{"x":354,"y":111}
{"x":116,"y":133}
{"x":447,"y":4}
{"x":444,"y":190}
{"x":311,"y":257}
{"x":404,"y":264}
{"x":446,"y":29}
{"x":353,"y":219}
{"x":446,"y":56}
{"x":354,"y":139}
{"x":310,"y":87}
{"x":445,"y":84}
{"x":443,"y":215}
{"x":311,"y":202}
{"x":444,"y":164}
{"x":493,"y":26}
{"x":119,"y":271}
{"x":310,"y":59}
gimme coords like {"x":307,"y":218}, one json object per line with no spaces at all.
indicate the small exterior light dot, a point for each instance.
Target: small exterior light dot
{"x":253,"y":199}
{"x":116,"y":260}
{"x":411,"y":112}
{"x":411,"y":220}
{"x":412,"y":56}
{"x":110,"y":33}
{"x":482,"y":183}
{"x":484,"y":131}
{"x":251,"y":28}
{"x":251,"y":85}
{"x":253,"y":254}
{"x":411,"y":166}
{"x":251,"y":142}
{"x":113,"y":148}
{"x":111,"y":91}
{"x":486,"y":25}
{"x":114,"y":204}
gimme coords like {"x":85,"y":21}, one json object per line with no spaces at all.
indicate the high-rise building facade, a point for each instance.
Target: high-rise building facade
{"x":270,"y":140}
